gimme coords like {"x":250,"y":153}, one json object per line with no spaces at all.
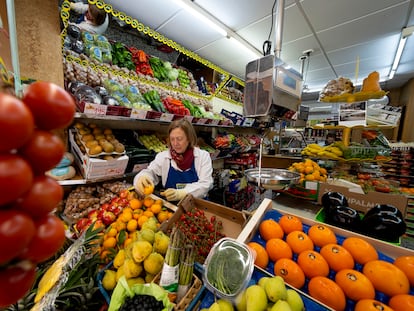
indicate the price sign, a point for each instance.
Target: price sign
{"x":166,"y":117}
{"x":138,"y":113}
{"x":95,"y":109}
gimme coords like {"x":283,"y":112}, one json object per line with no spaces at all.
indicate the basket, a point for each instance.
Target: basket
{"x":190,"y":298}
{"x":186,"y":303}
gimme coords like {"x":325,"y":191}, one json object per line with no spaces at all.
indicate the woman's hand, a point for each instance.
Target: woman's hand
{"x":143,"y":182}
{"x":174,"y":194}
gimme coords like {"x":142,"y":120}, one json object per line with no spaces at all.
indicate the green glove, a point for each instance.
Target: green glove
{"x":143,"y":182}
{"x":174,"y":194}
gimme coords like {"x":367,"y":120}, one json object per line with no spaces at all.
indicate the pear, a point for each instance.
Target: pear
{"x":146,"y":234}
{"x":225,"y":305}
{"x":275,"y":288}
{"x":294,"y":300}
{"x":256,"y":299}
{"x":214,"y":307}
{"x":263,"y":280}
{"x":281,"y":305}
{"x":161,"y":242}
{"x":240,"y":301}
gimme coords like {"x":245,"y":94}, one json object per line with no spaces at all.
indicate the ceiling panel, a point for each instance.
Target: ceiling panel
{"x":368,"y":29}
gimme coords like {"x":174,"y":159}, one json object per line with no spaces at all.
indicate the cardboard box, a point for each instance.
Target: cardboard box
{"x":250,"y":230}
{"x":233,"y":221}
{"x":363,"y":202}
{"x":92,"y":168}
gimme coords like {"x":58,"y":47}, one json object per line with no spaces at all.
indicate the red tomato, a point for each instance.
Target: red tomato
{"x":16,"y":281}
{"x":43,"y":151}
{"x":16,"y":177}
{"x":48,"y":239}
{"x":44,"y":195}
{"x":16,"y":231}
{"x":51,"y":106}
{"x":16,"y":123}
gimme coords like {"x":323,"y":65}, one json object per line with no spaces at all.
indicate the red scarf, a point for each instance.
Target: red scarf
{"x":183,"y":160}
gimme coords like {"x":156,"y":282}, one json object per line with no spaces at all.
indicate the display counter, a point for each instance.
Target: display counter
{"x":292,"y":205}
{"x":279,"y":161}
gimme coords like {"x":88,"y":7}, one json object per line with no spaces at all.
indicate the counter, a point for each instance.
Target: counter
{"x":279,"y":161}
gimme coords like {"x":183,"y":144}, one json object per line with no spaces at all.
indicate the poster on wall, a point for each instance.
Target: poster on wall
{"x":6,"y":68}
{"x":351,"y":114}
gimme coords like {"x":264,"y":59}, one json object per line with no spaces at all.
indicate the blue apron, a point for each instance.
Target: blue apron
{"x":177,"y":179}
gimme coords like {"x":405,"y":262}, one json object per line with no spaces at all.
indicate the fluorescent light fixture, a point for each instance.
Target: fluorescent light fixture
{"x":202,"y":15}
{"x":407,"y":31}
{"x":245,"y":47}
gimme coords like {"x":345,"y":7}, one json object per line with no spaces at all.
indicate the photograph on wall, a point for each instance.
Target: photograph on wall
{"x":353,"y":114}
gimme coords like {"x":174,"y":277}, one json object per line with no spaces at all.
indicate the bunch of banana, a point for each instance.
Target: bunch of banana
{"x":333,"y":151}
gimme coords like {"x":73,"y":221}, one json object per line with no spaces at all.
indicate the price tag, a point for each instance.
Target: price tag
{"x":189,"y":118}
{"x":138,"y":113}
{"x":202,"y":121}
{"x":166,"y":117}
{"x":95,"y":109}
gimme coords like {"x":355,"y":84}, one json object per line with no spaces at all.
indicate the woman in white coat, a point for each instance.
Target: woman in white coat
{"x":182,"y":169}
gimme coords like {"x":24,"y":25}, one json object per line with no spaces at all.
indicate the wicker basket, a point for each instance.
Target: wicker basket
{"x":190,"y":296}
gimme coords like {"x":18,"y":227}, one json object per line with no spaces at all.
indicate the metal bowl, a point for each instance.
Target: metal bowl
{"x":272,"y":178}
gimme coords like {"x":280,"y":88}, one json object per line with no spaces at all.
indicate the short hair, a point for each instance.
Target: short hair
{"x":99,"y":15}
{"x":188,"y":129}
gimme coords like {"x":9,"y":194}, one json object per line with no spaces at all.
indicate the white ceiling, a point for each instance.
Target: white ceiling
{"x":368,"y":30}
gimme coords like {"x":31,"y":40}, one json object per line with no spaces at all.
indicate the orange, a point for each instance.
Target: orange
{"x":132,"y":225}
{"x":290,"y":272}
{"x":360,"y":249}
{"x":270,"y":229}
{"x":148,"y":213}
{"x":125,"y":216}
{"x":261,"y":257}
{"x":148,"y":189}
{"x":299,"y":241}
{"x":328,"y":292}
{"x":109,"y":242}
{"x":402,"y":302}
{"x":406,"y":264}
{"x":127,"y":242}
{"x":148,"y":201}
{"x":386,"y":277}
{"x":355,"y":285}
{"x":290,"y":223}
{"x":338,"y":257}
{"x":135,"y":203}
{"x":137,"y":213}
{"x":313,"y":264}
{"x":321,"y":235}
{"x":372,"y":305}
{"x":141,"y":220}
{"x":156,"y":208}
{"x":277,"y":248}
{"x":162,"y":216}
{"x":112,"y":231}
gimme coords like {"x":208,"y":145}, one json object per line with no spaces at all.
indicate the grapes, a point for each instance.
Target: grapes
{"x":28,"y":231}
{"x":142,"y":303}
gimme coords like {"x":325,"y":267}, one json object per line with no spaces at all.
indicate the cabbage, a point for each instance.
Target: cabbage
{"x":173,"y":74}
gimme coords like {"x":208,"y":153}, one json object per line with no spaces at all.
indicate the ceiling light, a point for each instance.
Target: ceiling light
{"x":201,"y":14}
{"x":407,"y":31}
{"x":254,"y":53}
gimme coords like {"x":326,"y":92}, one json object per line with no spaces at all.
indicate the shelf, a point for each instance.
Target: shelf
{"x":82,"y":181}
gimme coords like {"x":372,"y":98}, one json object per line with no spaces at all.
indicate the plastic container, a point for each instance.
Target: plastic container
{"x":228,"y":268}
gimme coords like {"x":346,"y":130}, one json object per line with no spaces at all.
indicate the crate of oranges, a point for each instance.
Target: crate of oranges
{"x":310,"y":176}
{"x":343,"y":270}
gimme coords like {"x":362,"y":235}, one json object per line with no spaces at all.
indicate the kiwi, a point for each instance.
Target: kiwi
{"x":87,"y":137}
{"x":95,"y":150}
{"x":91,"y":143}
{"x":108,"y":147}
{"x":119,"y":148}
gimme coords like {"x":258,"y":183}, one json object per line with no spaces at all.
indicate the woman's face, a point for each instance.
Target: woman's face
{"x":178,"y":140}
